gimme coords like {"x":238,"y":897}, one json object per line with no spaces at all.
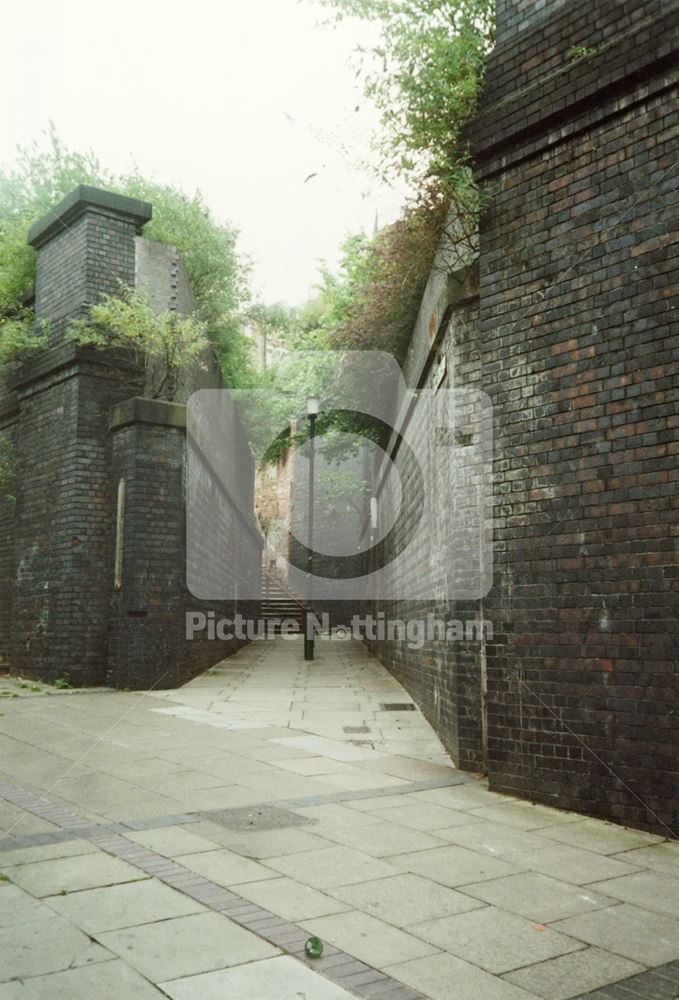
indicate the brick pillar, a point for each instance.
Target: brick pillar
{"x":64,"y":507}
{"x":148,"y":645}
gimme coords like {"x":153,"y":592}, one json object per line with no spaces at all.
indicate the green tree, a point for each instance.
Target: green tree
{"x":218,"y":275}
{"x":170,"y":344}
{"x":424,"y":75}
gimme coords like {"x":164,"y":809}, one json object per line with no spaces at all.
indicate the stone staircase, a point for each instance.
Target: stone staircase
{"x":279,"y":602}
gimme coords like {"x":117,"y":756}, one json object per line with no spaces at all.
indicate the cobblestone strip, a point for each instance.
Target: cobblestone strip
{"x":336,"y":965}
{"x":661,"y":983}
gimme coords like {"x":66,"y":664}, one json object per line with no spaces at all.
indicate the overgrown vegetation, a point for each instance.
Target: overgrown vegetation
{"x":219,"y":277}
{"x":171,"y":345}
{"x":424,"y":75}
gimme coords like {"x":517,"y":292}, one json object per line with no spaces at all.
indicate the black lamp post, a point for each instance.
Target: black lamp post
{"x":313,"y":404}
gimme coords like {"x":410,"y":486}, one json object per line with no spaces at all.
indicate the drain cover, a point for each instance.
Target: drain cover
{"x":356,"y":729}
{"x":256,"y":818}
{"x":398,"y":706}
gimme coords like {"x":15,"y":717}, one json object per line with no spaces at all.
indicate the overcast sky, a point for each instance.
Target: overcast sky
{"x":242,"y":99}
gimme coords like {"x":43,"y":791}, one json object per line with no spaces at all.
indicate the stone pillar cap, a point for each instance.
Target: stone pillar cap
{"x":78,"y":201}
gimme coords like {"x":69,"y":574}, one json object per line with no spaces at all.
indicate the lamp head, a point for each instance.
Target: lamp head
{"x":313,"y":405}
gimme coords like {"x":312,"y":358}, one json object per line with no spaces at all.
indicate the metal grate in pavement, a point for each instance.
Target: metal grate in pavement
{"x":256,"y":818}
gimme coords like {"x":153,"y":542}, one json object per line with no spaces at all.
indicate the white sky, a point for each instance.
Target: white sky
{"x":202,"y":94}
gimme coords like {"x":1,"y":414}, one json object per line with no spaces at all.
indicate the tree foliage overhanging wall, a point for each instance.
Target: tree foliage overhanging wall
{"x":424,"y":75}
{"x":218,"y":275}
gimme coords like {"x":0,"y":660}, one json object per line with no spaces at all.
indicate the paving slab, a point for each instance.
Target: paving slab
{"x":497,"y":840}
{"x":112,"y":798}
{"x":660,"y":857}
{"x":363,"y":780}
{"x":423,"y":815}
{"x":653,"y":890}
{"x":538,"y":897}
{"x":524,"y":815}
{"x":46,"y":852}
{"x":647,"y":938}
{"x":225,"y":867}
{"x":313,"y":765}
{"x":19,"y":907}
{"x":219,"y":797}
{"x":127,"y":905}
{"x":573,"y":864}
{"x":274,"y":843}
{"x":289,"y":899}
{"x":445,"y":977}
{"x":600,"y":837}
{"x":470,"y":796}
{"x":406,"y":899}
{"x":107,"y":980}
{"x":335,"y":749}
{"x":369,"y":939}
{"x":379,"y":839}
{"x":341,"y":815}
{"x":574,"y":974}
{"x":87,"y":871}
{"x":272,"y":979}
{"x":495,"y":940}
{"x":171,"y":841}
{"x":185,"y":946}
{"x":48,"y":944}
{"x":333,"y":866}
{"x":453,"y":866}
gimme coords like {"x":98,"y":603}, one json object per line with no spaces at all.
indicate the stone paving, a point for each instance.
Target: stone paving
{"x":185,"y":844}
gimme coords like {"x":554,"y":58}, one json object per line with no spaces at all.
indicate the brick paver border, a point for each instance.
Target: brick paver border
{"x":336,"y":965}
{"x":661,"y":983}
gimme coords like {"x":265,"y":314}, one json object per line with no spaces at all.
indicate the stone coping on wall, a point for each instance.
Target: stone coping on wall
{"x":142,"y":410}
{"x":82,"y":198}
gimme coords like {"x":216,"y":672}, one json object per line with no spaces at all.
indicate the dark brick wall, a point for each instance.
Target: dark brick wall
{"x":577,"y":346}
{"x":148,"y":645}
{"x":513,"y":15}
{"x":59,"y":615}
{"x":7,"y":517}
{"x":62,"y":529}
{"x":578,"y":273}
{"x":63,"y":524}
{"x":85,"y":249}
{"x":444,"y":677}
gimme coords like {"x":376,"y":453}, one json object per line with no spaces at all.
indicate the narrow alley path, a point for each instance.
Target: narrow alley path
{"x":186,"y":844}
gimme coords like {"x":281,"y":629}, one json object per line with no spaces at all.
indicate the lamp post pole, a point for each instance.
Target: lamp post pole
{"x":313,"y":404}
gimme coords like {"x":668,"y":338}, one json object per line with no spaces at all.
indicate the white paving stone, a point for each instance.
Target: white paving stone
{"x":186,"y":946}
{"x":273,"y":979}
